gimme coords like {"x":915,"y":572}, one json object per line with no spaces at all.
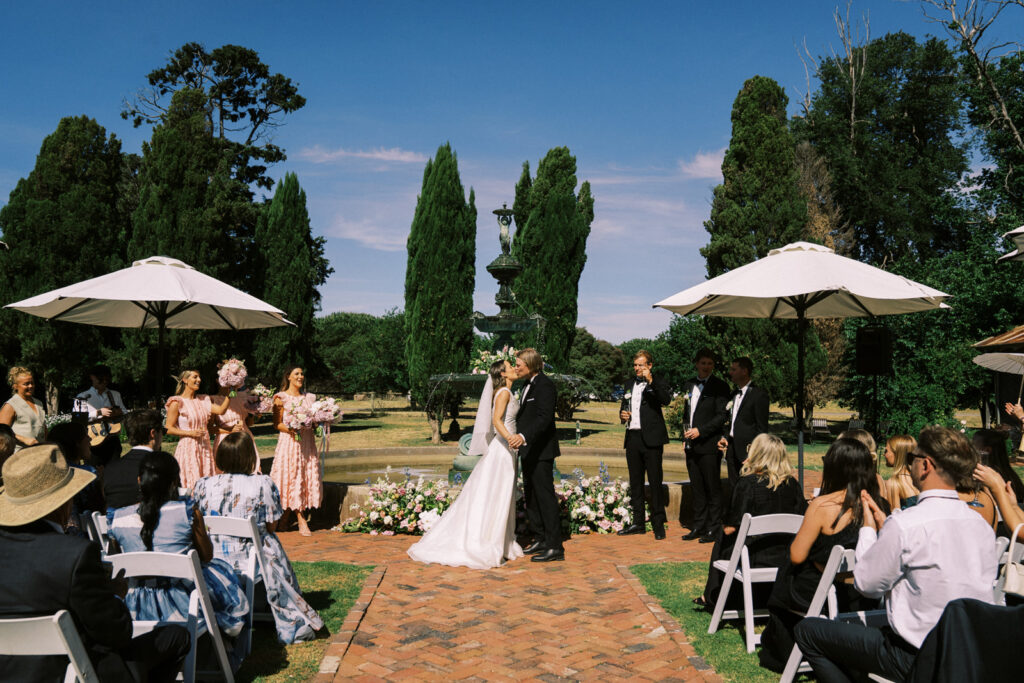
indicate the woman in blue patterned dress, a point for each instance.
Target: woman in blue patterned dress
{"x":163,"y":523}
{"x":240,"y":493}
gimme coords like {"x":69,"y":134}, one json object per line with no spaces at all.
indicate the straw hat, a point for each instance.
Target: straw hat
{"x":37,"y":481}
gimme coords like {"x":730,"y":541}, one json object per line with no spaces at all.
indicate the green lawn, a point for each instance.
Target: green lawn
{"x":331,"y":588}
{"x":675,"y":585}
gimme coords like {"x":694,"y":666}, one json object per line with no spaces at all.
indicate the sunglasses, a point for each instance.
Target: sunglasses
{"x":913,"y":455}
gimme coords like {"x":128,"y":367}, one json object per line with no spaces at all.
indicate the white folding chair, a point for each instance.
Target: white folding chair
{"x":98,"y":526}
{"x":243,"y":527}
{"x":49,"y":635}
{"x":738,"y":567}
{"x":839,"y":560}
{"x":1015,"y":553}
{"x":201,"y":618}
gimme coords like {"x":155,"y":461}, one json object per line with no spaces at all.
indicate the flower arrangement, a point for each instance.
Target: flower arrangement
{"x":297,"y":416}
{"x":326,"y":411}
{"x":56,"y":419}
{"x":409,"y":507}
{"x":677,"y":414}
{"x":482,"y":364}
{"x":594,"y":504}
{"x":260,"y":399}
{"x":232,"y":373}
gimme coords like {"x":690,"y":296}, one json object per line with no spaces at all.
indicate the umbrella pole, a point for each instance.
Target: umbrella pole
{"x":161,"y":359}
{"x":1021,"y":389}
{"x":801,"y":326}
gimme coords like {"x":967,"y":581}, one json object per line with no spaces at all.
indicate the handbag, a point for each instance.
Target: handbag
{"x":1011,"y":578}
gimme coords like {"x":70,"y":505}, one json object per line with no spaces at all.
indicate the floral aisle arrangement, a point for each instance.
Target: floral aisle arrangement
{"x":409,"y":507}
{"x":232,"y":374}
{"x":594,"y":504}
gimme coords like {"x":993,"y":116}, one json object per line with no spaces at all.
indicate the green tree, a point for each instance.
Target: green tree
{"x":62,"y":224}
{"x":551,"y":244}
{"x":292,"y":266}
{"x":242,"y":100}
{"x":439,"y":280}
{"x":597,"y":361}
{"x":363,"y":352}
{"x":893,"y":139}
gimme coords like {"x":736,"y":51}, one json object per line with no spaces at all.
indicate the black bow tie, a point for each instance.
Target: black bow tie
{"x":700,"y":383}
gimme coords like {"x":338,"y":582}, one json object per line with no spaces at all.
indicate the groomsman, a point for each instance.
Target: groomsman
{"x":707,"y":397}
{"x":748,"y":416}
{"x":646,"y":436}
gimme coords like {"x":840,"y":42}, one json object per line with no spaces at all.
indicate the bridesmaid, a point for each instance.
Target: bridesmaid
{"x":236,"y":418}
{"x":23,"y":411}
{"x":188,"y":418}
{"x":296,"y":468}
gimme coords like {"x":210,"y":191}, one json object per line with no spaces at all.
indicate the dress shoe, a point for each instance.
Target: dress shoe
{"x":632,"y":529}
{"x":693,"y":535}
{"x":709,"y":537}
{"x":659,"y":534}
{"x":534,"y":548}
{"x":550,"y":555}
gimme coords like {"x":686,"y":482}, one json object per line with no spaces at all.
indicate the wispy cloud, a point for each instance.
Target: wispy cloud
{"x":370,"y":233}
{"x":707,"y":165}
{"x":318,"y":155}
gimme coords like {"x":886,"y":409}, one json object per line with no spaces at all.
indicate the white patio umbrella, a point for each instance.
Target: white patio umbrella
{"x":1017,"y":236}
{"x":803,"y":280}
{"x":1010,"y":363}
{"x":157,"y":292}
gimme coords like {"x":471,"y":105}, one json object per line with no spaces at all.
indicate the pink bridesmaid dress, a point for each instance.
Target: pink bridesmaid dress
{"x":194,"y":455}
{"x":235,"y":414}
{"x":296,"y":468}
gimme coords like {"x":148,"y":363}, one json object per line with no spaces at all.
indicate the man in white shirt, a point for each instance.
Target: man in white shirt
{"x":101,"y":402}
{"x":923,"y":557}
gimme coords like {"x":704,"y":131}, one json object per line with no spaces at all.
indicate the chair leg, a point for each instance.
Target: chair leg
{"x":792,"y":665}
{"x":723,"y":594}
{"x":188,"y":673}
{"x":748,"y":611}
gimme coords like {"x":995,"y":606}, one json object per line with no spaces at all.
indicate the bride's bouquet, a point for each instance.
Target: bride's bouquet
{"x":232,"y":374}
{"x":297,"y":416}
{"x":259,"y":400}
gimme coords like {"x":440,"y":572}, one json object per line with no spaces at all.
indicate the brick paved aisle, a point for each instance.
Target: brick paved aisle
{"x":578,"y":619}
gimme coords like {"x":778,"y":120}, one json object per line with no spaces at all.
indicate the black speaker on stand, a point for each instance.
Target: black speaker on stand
{"x":874,"y":358}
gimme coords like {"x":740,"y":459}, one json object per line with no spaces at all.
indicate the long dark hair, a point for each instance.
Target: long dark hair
{"x":849,"y":466}
{"x":996,"y":457}
{"x":158,"y":482}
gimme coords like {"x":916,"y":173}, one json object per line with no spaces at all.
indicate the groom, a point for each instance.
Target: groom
{"x":538,"y":449}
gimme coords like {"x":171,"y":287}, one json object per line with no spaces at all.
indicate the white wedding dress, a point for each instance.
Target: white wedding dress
{"x":478,"y":530}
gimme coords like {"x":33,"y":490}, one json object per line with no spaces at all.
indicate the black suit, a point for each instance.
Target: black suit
{"x":44,"y":572}
{"x":121,"y":479}
{"x":645,"y":447}
{"x":535,"y":421}
{"x":751,"y":420}
{"x":703,"y":459}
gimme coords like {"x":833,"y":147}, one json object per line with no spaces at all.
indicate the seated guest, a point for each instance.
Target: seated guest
{"x":833,"y":518}
{"x":991,"y":447}
{"x":46,"y":571}
{"x":864,"y":436}
{"x":73,"y":440}
{"x":900,"y":489}
{"x":8,"y":444}
{"x":240,"y":493}
{"x":121,"y":476}
{"x":162,"y":523}
{"x":766,"y":486}
{"x":1003,"y":493}
{"x":919,"y":559}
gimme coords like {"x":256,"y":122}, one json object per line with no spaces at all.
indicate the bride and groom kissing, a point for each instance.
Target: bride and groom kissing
{"x":478,"y":530}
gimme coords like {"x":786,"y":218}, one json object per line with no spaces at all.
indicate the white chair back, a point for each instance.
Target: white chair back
{"x":49,"y":635}
{"x":247,"y":528}
{"x":98,"y":526}
{"x":187,"y":567}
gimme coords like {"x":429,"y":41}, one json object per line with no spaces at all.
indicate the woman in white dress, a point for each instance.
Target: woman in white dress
{"x":478,"y":530}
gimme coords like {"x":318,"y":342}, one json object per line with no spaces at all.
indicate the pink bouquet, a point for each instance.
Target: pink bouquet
{"x":260,"y":400}
{"x":297,"y":416}
{"x":232,"y":374}
{"x":326,"y":411}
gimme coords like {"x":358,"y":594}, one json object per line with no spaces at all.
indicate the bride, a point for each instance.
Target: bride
{"x":478,"y":530}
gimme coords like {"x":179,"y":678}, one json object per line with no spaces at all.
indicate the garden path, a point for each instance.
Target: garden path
{"x":585,"y":618}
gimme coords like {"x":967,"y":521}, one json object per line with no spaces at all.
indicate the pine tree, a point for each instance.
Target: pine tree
{"x":292,"y":266}
{"x":758,"y":205}
{"x":551,"y":244}
{"x":439,"y":278}
{"x":62,"y":224}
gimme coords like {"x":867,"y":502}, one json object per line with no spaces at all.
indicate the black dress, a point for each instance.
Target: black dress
{"x":752,"y":495}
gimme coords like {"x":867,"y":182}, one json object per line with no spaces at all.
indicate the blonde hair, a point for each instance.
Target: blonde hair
{"x":14,"y":373}
{"x":532,"y":359}
{"x":767,"y":459}
{"x":181,"y":381}
{"x":900,"y":445}
{"x":862,"y":435}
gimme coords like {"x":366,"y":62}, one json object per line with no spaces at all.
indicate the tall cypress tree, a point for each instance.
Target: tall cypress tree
{"x":758,"y":205}
{"x":439,"y":278}
{"x":62,"y":224}
{"x":552,"y":246}
{"x":292,"y":266}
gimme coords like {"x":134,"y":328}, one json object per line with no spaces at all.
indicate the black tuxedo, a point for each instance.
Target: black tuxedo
{"x":121,"y":479}
{"x":535,"y":421}
{"x":703,"y":459}
{"x":43,"y":572}
{"x":751,"y":419}
{"x":645,"y":447}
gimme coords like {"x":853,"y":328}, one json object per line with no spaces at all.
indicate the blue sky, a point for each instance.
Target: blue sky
{"x":641,"y":92}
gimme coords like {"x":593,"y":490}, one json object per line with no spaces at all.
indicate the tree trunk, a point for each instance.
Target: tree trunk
{"x":52,"y":398}
{"x":435,"y":428}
